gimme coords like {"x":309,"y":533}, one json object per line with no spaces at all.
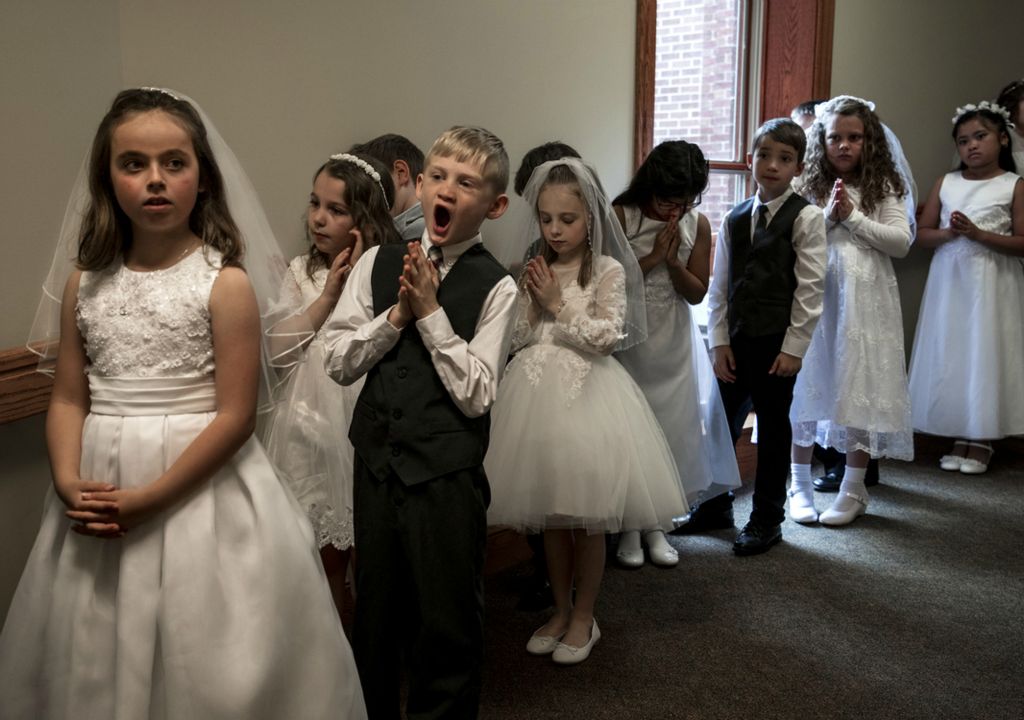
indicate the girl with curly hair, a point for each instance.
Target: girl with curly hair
{"x":851,"y":394}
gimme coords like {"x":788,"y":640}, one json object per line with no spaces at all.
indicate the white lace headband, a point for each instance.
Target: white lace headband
{"x":991,"y":107}
{"x":366,"y":168}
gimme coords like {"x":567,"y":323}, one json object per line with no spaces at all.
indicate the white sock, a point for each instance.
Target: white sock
{"x":853,"y":482}
{"x":801,"y":475}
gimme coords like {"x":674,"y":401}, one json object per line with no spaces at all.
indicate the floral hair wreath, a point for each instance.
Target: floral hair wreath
{"x":994,"y":108}
{"x":366,"y":168}
{"x":820,"y":112}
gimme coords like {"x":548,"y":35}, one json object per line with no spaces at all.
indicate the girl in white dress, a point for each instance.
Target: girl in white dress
{"x":967,"y":367}
{"x":307,"y":434}
{"x":672,"y":242}
{"x":173,"y":575}
{"x":575,"y":447}
{"x":1011,"y":99}
{"x":851,"y":393}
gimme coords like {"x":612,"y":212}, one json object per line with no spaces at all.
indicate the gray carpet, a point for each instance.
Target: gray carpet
{"x":914,"y":611}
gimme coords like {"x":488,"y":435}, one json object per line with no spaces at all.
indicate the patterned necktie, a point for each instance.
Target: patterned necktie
{"x":435,"y":256}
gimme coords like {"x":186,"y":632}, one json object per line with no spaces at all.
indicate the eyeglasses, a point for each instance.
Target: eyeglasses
{"x":683,"y":206}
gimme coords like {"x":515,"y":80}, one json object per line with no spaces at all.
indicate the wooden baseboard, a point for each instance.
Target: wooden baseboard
{"x":23,"y":391}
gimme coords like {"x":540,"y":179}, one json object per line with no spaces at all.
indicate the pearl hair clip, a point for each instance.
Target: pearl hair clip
{"x":168,"y":93}
{"x":366,"y":168}
{"x":991,"y":107}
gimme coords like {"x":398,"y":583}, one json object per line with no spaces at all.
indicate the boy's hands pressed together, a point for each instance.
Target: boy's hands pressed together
{"x":786,"y":365}
{"x":419,"y":282}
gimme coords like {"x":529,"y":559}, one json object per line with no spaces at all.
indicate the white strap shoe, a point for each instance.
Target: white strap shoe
{"x":846,"y":508}
{"x":801,"y":506}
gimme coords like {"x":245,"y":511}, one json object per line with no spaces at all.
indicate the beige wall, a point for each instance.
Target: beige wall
{"x":287,"y":83}
{"x":918,"y":61}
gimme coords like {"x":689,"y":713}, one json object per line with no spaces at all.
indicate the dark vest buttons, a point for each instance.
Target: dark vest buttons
{"x":396,"y":451}
{"x":402,"y":372}
{"x":396,"y":414}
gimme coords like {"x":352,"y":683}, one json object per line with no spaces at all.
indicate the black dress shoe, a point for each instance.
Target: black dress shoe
{"x":714,"y":514}
{"x":755,"y":538}
{"x":536,"y":596}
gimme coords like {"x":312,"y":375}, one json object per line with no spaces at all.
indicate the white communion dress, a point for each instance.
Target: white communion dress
{"x":574,"y":443}
{"x":851,"y":393}
{"x":672,"y":368}
{"x":307,"y":434}
{"x":967,"y":366}
{"x":215,"y":608}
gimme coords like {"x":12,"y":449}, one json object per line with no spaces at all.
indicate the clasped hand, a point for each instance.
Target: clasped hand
{"x":417,"y":288}
{"x":543,"y":285}
{"x":339,"y":270}
{"x":666,"y":244}
{"x":103,"y":510}
{"x":962,"y":225}
{"x":839,"y":204}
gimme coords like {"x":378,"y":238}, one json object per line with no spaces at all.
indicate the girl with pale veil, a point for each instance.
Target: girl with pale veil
{"x":575,"y":447}
{"x":173,"y":576}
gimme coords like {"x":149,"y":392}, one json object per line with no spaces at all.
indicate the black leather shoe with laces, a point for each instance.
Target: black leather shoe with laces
{"x":755,"y":538}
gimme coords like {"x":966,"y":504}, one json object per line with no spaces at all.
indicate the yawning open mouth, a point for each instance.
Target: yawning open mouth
{"x":442,"y":217}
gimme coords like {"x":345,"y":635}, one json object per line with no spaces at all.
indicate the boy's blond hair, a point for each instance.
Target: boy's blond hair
{"x":478,"y":146}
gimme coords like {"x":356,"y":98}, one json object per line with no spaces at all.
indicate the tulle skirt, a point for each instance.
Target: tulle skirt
{"x":216,"y":608}
{"x":306,"y":437}
{"x":851,"y":393}
{"x":574,"y":444}
{"x":967,"y":366}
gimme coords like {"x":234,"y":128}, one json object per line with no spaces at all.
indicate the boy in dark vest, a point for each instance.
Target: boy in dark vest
{"x":764,"y":301}
{"x":429,"y":324}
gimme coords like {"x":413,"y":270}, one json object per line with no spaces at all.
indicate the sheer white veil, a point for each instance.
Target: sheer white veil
{"x":276,"y":291}
{"x":606,"y":238}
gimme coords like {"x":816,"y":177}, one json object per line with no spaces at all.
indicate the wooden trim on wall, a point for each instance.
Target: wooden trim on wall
{"x":23,"y":391}
{"x":643,"y":110}
{"x":797,"y":54}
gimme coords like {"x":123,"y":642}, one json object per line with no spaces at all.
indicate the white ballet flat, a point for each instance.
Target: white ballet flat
{"x":542,"y":644}
{"x":970,"y":466}
{"x":569,"y":655}
{"x":630,"y":554}
{"x":661,"y":553}
{"x":801,"y":506}
{"x":846,"y":508}
{"x":952,"y":463}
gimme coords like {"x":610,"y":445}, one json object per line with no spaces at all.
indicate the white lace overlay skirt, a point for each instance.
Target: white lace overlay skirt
{"x":217,"y":608}
{"x":851,"y":393}
{"x":574,"y":444}
{"x":967,"y":367}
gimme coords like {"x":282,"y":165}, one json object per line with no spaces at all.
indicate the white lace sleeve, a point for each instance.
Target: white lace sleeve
{"x":886,"y":229}
{"x":594,"y":321}
{"x":527,"y":319}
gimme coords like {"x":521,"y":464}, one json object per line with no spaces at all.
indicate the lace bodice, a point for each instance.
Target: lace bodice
{"x":986,"y":202}
{"x":149,"y":324}
{"x":588,"y":326}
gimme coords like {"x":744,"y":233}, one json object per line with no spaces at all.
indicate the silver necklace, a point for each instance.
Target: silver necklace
{"x":129,"y":296}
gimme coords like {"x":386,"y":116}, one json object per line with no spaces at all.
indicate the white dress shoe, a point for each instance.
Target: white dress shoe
{"x":970,"y":466}
{"x":542,"y":644}
{"x":953,"y":462}
{"x":846,"y":508}
{"x":801,"y":506}
{"x":569,"y":655}
{"x":630,"y":554}
{"x":662,"y":554}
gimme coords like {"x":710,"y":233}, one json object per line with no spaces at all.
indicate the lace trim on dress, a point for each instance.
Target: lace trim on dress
{"x":329,"y":528}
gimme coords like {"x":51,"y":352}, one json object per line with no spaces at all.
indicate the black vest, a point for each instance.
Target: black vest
{"x":762,"y":276}
{"x":405,"y":420}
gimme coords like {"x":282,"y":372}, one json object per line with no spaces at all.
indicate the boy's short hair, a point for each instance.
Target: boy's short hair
{"x":807,"y":107}
{"x":555,"y":150}
{"x":390,"y":147}
{"x":476,"y":145}
{"x":785,"y":131}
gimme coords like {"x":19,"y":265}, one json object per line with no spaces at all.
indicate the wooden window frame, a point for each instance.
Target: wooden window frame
{"x":796,"y":64}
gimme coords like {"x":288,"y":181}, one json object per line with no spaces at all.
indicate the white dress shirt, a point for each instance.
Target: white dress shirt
{"x":356,"y":339}
{"x":811,"y":255}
